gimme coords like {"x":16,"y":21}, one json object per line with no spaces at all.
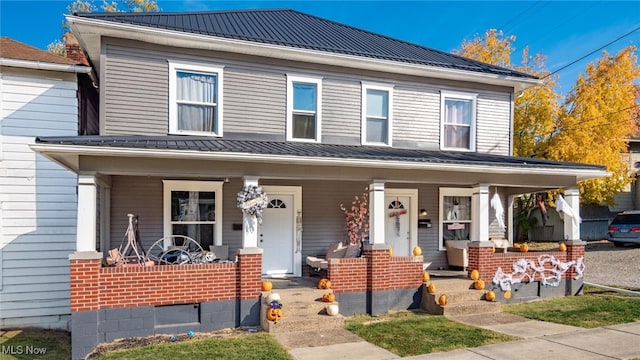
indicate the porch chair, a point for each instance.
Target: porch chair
{"x":338,"y":250}
{"x":458,"y":253}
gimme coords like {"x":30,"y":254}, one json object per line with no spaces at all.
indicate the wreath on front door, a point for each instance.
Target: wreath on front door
{"x":252,"y":200}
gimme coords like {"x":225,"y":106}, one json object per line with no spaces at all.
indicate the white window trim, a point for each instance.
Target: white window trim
{"x":173,"y":106}
{"x":317,"y":80}
{"x":382,"y":87}
{"x":467,"y":192}
{"x":444,"y":95}
{"x":185,"y":185}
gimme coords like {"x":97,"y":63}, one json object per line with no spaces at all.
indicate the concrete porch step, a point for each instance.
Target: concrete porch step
{"x":456,"y":297}
{"x":297,"y":323}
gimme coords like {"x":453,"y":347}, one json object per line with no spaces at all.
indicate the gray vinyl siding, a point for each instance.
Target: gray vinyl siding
{"x":492,"y":123}
{"x":254,"y":101}
{"x":341,"y":104}
{"x":136,"y":99}
{"x":416,"y":116}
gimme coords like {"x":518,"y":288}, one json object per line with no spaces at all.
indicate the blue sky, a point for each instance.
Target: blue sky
{"x":562,"y":30}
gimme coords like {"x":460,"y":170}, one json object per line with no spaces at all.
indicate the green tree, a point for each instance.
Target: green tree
{"x":88,"y":6}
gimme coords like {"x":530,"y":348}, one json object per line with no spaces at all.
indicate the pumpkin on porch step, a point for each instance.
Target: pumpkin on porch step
{"x":332,"y":310}
{"x":563,"y":247}
{"x":507,"y":294}
{"x":425,"y":277}
{"x":479,"y":284}
{"x":267,"y":285}
{"x":475,"y":275}
{"x":431,"y":289}
{"x":490,"y":296}
{"x":329,"y":297}
{"x":274,"y":314}
{"x":324,"y":284}
{"x":417,"y":251}
{"x":524,"y":248}
{"x":442,"y":300}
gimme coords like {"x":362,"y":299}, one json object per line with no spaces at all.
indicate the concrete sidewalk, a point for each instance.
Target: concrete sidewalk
{"x":540,"y":340}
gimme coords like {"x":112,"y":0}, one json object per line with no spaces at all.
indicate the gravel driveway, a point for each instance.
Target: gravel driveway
{"x":610,"y":265}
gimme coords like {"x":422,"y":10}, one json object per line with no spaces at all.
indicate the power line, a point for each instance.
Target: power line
{"x":591,"y":53}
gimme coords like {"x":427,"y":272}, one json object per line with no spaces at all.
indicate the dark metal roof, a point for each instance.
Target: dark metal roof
{"x":314,"y":150}
{"x":291,"y":28}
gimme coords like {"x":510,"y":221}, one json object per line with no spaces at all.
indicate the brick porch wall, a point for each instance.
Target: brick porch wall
{"x":376,"y":282}
{"x":482,"y":258}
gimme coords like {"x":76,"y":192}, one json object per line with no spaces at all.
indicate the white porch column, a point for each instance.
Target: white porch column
{"x":480,"y":213}
{"x":87,"y":202}
{"x":571,"y":227}
{"x":376,"y":213}
{"x":250,"y":222}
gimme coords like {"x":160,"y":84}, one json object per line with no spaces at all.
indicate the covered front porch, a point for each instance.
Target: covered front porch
{"x":191,"y":190}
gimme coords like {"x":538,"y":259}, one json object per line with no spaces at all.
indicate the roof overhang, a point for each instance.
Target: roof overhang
{"x":89,"y":33}
{"x":546,"y":176}
{"x":40,"y":65}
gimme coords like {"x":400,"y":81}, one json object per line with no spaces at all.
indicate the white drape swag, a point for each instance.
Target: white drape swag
{"x":457,"y":123}
{"x":197,"y":100}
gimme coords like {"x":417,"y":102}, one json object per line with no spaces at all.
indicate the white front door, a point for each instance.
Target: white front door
{"x":279,"y":234}
{"x":401,"y":220}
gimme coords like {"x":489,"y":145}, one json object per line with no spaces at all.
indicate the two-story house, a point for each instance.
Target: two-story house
{"x":38,"y":96}
{"x":194,"y":107}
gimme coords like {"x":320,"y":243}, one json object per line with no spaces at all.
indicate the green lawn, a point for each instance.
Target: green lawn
{"x":251,"y":347}
{"x":414,"y":333}
{"x":32,"y":343}
{"x":595,"y":308}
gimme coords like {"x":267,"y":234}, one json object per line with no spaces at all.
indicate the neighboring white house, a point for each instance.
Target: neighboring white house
{"x":38,"y":95}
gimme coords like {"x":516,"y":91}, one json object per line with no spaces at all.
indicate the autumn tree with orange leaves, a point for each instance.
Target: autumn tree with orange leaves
{"x":592,"y":125}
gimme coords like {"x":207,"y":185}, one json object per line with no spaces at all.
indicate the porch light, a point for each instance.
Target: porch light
{"x":423,"y":212}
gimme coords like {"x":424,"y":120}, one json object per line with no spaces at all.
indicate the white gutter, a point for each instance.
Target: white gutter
{"x":306,"y":160}
{"x":39,"y":65}
{"x":208,"y":42}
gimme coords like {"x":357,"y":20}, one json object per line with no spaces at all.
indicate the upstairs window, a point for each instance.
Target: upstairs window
{"x":458,"y":114}
{"x":195,"y":99}
{"x":376,"y":114}
{"x":304,"y":106}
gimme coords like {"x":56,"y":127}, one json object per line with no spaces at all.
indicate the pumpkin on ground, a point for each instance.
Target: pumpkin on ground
{"x":442,"y":300}
{"x":507,"y":294}
{"x":431,"y":289}
{"x":267,"y":285}
{"x":490,"y":295}
{"x":479,"y":284}
{"x":425,"y":277}
{"x":332,"y":310}
{"x":274,"y":314}
{"x":329,"y":297}
{"x":524,"y":248}
{"x":324,"y":284}
{"x":417,"y":251}
{"x":475,"y":275}
{"x":563,"y":247}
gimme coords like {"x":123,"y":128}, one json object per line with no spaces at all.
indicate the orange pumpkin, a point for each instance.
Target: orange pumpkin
{"x":490,"y":295}
{"x":267,"y":285}
{"x":329,"y":297}
{"x":493,"y":250}
{"x":524,"y":248}
{"x":274,"y":314}
{"x":390,"y":252}
{"x":425,"y":277}
{"x":442,"y":300}
{"x":507,"y":294}
{"x":327,"y":284}
{"x":431,"y":289}
{"x":563,"y":247}
{"x":417,"y":251}
{"x":322,"y":283}
{"x":479,"y":284}
{"x":475,"y":275}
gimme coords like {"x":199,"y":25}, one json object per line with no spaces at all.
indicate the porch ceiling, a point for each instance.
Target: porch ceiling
{"x":211,"y":157}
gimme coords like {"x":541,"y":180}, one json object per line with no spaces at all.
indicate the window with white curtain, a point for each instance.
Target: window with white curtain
{"x":377,"y":103}
{"x":455,"y":214}
{"x":304,"y":108}
{"x":195,"y":99}
{"x":458,"y":118}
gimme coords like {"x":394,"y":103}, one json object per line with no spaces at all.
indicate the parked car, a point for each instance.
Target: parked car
{"x":625,"y":228}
